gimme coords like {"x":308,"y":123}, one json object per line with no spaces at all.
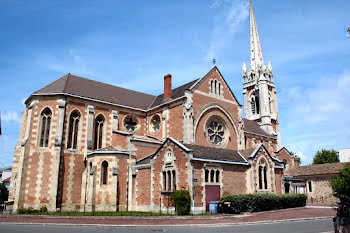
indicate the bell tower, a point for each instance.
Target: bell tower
{"x":259,"y":94}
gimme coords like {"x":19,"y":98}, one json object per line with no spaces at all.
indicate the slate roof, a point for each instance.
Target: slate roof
{"x":254,"y":127}
{"x":247,"y":152}
{"x":71,"y":84}
{"x":317,"y":169}
{"x":175,"y":93}
{"x":205,"y":152}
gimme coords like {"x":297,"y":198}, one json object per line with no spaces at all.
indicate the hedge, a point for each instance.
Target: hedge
{"x":262,"y":202}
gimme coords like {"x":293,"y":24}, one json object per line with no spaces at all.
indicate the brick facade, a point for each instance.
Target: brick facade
{"x":67,"y":179}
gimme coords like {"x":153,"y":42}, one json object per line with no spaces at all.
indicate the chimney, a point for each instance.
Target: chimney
{"x":167,"y":86}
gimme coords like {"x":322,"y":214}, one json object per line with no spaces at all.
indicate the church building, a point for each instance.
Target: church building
{"x":91,"y":146}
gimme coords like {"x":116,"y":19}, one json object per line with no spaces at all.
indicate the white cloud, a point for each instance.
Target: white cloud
{"x":228,"y":20}
{"x":318,"y":117}
{"x":11,"y":116}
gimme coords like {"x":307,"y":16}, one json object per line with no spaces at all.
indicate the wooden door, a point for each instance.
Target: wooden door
{"x":212,"y":193}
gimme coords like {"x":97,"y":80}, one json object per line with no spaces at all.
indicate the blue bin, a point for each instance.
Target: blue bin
{"x":213,"y":207}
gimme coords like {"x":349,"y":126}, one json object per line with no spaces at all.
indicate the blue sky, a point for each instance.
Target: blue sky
{"x":133,"y":44}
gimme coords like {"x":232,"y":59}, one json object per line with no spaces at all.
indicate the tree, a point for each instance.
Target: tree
{"x":4,"y":193}
{"x":341,"y":183}
{"x":326,"y":156}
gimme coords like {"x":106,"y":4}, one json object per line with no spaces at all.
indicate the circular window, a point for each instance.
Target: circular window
{"x":131,"y":123}
{"x":155,"y":124}
{"x":216,"y":131}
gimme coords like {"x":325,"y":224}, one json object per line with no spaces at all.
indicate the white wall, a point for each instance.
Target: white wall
{"x":344,"y":155}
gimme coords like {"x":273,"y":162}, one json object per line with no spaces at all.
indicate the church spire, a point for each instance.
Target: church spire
{"x":256,"y":57}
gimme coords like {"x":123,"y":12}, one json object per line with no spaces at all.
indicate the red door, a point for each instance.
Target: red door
{"x":212,"y":193}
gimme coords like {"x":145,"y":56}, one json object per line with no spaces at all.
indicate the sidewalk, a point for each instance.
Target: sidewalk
{"x":269,"y":216}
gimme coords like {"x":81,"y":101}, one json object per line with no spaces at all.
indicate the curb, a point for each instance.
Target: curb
{"x":212,"y":217}
{"x":172,"y":225}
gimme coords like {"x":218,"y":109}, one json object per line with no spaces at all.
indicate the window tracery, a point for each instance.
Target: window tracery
{"x":216,"y":131}
{"x":131,"y":123}
{"x":155,"y":124}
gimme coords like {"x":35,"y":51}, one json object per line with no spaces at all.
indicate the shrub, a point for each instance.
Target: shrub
{"x":262,"y":202}
{"x":182,"y":201}
{"x":43,"y":209}
{"x":341,"y":189}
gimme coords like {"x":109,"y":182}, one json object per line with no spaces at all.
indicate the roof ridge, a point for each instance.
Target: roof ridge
{"x":72,"y":75}
{"x":65,"y":86}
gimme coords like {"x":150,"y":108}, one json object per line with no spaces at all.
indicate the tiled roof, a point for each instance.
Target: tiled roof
{"x":112,"y":148}
{"x":317,"y":169}
{"x":74,"y":85}
{"x":71,"y":84}
{"x":247,"y":152}
{"x":175,"y":93}
{"x":7,"y":179}
{"x":205,"y":152}
{"x":254,"y":127}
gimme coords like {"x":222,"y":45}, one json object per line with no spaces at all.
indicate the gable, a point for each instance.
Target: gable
{"x":262,"y":147}
{"x":206,"y":86}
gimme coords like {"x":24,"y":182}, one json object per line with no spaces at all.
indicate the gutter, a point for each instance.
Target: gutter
{"x":260,"y":135}
{"x":220,"y":161}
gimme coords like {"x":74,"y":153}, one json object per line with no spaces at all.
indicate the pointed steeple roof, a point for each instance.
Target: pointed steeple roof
{"x":256,"y":56}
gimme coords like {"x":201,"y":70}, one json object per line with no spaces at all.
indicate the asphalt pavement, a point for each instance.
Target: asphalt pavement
{"x":303,"y":226}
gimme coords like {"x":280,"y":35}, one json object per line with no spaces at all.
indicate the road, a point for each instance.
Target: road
{"x":304,"y":226}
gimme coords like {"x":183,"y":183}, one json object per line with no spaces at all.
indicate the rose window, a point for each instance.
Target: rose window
{"x":216,"y":131}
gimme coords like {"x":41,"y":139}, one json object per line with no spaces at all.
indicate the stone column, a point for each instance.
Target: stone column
{"x":188,"y":119}
{"x":56,"y":155}
{"x":90,"y":127}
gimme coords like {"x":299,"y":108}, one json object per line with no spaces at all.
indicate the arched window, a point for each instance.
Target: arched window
{"x":174,"y":180}
{"x":253,"y":105}
{"x":260,"y":177}
{"x":45,"y":127}
{"x":206,"y":175}
{"x":73,"y":130}
{"x":211,"y":86}
{"x":263,"y":174}
{"x":212,"y":174}
{"x":270,"y":104}
{"x":215,"y":86}
{"x":257,"y":104}
{"x":219,"y":88}
{"x":98,"y":132}
{"x":104,"y":172}
{"x":164,"y":180}
{"x":169,"y":180}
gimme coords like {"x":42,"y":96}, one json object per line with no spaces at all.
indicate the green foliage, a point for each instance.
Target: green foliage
{"x":4,"y":193}
{"x":326,"y":156}
{"x":43,"y":209}
{"x":182,"y":201}
{"x":341,"y":183}
{"x":241,"y":203}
